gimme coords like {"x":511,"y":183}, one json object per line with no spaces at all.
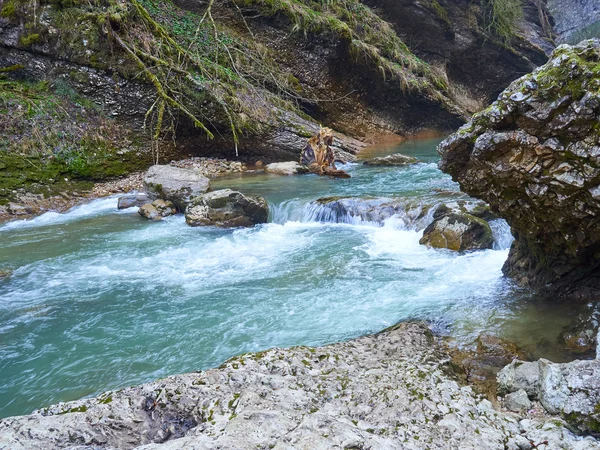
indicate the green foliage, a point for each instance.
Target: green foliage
{"x":502,"y":16}
{"x":47,"y":135}
{"x":367,"y":35}
{"x":9,"y":9}
{"x":29,"y":39}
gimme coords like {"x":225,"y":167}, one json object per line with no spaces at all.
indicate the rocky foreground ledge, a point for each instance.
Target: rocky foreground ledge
{"x":391,"y":390}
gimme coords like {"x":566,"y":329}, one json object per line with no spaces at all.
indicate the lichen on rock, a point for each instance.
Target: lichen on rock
{"x":388,"y":390}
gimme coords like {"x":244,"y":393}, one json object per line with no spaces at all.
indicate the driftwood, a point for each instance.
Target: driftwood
{"x":319,"y":157}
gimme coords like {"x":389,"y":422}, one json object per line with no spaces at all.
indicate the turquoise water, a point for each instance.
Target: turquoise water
{"x":101,"y":299}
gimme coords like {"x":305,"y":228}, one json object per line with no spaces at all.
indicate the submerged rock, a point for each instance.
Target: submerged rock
{"x":157,"y":210}
{"x":396,"y":159}
{"x":286,"y":168}
{"x":5,"y":273}
{"x":175,"y":184}
{"x":385,"y":391}
{"x":226,"y":208}
{"x":458,"y":232}
{"x":570,"y":389}
{"x":129,"y":201}
{"x":534,"y":156}
{"x":581,"y":336}
{"x":480,"y":363}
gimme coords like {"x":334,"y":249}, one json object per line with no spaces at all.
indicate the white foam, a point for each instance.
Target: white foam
{"x":93,"y":208}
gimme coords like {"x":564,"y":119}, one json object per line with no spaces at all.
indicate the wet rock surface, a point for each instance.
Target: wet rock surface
{"x":226,"y":208}
{"x":175,"y":184}
{"x":389,"y":390}
{"x":396,"y":159}
{"x":581,"y":336}
{"x":458,"y":232}
{"x":157,"y":210}
{"x":479,"y":363}
{"x":131,"y":200}
{"x":533,"y":156}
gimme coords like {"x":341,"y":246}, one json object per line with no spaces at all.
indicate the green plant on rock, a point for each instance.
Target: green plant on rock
{"x":502,"y":16}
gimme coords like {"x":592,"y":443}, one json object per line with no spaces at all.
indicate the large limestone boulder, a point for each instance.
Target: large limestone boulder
{"x":571,"y":389}
{"x":458,"y":232}
{"x":397,"y":159}
{"x":534,"y":156}
{"x":175,"y":184}
{"x":286,"y":168}
{"x":226,"y":208}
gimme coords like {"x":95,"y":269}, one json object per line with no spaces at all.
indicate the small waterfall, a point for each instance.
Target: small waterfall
{"x":397,"y":213}
{"x":503,"y":237}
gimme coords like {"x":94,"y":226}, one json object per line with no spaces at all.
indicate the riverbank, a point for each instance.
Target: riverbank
{"x":394,"y":389}
{"x":27,"y":205}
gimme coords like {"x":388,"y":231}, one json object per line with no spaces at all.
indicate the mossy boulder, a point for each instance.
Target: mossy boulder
{"x":534,"y":156}
{"x":157,"y":210}
{"x":227,"y":209}
{"x":458,"y":232}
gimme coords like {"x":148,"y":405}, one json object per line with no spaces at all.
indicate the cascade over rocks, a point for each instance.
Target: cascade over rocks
{"x":175,"y":184}
{"x":226,"y":208}
{"x":534,"y":156}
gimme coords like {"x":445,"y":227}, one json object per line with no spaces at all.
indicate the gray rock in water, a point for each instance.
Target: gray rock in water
{"x":396,"y":159}
{"x":5,"y":273}
{"x":458,"y":232}
{"x":226,"y":208}
{"x":517,"y":401}
{"x":131,"y":200}
{"x":175,"y":184}
{"x":157,"y":210}
{"x":286,"y":168}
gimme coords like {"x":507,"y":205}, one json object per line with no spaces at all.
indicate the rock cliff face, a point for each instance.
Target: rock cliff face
{"x":386,"y":391}
{"x":575,"y":20}
{"x":533,"y":155}
{"x":451,"y":36}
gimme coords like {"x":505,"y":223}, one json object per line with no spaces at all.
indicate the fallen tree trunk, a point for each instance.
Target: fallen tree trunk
{"x":319,"y":157}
